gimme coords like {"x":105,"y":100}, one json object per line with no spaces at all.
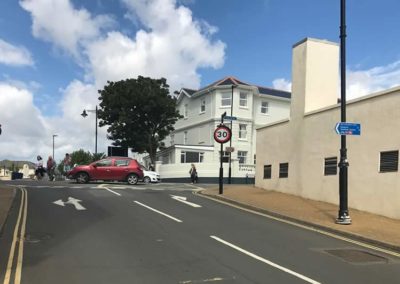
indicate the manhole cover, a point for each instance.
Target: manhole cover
{"x":356,"y":256}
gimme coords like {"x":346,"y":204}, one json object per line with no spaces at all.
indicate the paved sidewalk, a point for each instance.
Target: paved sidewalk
{"x":6,"y":198}
{"x":367,"y":227}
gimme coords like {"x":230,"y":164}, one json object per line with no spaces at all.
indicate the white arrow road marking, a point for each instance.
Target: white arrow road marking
{"x":159,"y":212}
{"x":72,"y":201}
{"x":298,"y":275}
{"x":183,"y":200}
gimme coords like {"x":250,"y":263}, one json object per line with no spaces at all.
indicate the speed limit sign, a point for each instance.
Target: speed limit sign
{"x":222,"y":134}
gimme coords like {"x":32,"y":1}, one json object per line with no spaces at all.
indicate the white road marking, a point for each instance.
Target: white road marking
{"x":215,"y":279}
{"x":159,"y":212}
{"x":72,"y":201}
{"x":259,"y":258}
{"x":106,"y":188}
{"x":183,"y":200}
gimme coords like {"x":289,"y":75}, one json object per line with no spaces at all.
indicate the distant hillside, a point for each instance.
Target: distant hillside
{"x":17,"y":164}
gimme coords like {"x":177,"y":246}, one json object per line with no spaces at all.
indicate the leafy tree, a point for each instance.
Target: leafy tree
{"x":98,"y":156}
{"x":139,"y":113}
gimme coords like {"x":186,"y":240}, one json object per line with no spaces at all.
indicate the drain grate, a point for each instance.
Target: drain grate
{"x":357,"y":256}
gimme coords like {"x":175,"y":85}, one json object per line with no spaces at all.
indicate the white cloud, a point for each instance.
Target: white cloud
{"x":58,"y":22}
{"x":282,"y":84}
{"x":14,"y":55}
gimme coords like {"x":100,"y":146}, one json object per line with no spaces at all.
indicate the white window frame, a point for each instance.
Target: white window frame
{"x":266,"y":108}
{"x":242,"y":155}
{"x":243,"y":132}
{"x":226,"y":97}
{"x":203,"y":106}
{"x":172,"y":139}
{"x":200,"y":160}
{"x":241,"y":100}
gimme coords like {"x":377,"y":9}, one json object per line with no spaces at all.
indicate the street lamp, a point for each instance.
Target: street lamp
{"x":84,"y":114}
{"x":54,"y":135}
{"x":230,"y":141}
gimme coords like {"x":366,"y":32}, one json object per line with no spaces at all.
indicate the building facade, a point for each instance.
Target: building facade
{"x":193,"y":142}
{"x":300,"y":155}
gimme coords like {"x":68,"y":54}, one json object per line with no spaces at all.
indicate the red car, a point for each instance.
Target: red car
{"x":111,"y":168}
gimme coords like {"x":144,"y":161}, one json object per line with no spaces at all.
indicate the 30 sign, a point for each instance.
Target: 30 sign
{"x":222,"y":134}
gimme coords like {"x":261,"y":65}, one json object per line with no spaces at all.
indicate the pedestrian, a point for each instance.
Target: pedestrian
{"x":39,"y":172}
{"x":193,"y":174}
{"x":67,"y":163}
{"x":51,"y":167}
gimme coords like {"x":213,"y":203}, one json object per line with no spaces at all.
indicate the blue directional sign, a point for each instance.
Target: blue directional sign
{"x":230,"y":117}
{"x":347,"y":128}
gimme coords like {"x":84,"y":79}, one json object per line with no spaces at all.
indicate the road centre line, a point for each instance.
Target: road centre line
{"x":298,"y":275}
{"x":21,"y":214}
{"x":309,"y":228}
{"x":157,"y":211}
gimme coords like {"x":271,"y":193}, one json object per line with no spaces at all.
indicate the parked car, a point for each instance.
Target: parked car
{"x":110,"y":168}
{"x":150,"y":176}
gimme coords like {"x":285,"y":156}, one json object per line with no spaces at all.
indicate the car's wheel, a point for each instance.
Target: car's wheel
{"x":146,"y":180}
{"x":132,"y":179}
{"x":82,"y":177}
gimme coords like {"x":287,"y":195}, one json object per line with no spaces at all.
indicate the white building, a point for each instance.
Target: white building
{"x":300,"y":155}
{"x":193,"y":142}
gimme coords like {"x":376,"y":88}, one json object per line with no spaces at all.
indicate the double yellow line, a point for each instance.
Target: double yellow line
{"x":17,"y":245}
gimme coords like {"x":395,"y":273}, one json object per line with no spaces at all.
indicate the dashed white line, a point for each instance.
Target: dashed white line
{"x":159,"y":212}
{"x":298,"y":275}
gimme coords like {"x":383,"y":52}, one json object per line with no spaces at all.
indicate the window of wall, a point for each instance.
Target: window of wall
{"x":267,"y":171}
{"x":226,"y":100}
{"x":330,"y":166}
{"x":185,"y":111}
{"x":264,"y":107}
{"x":243,"y":99}
{"x":225,"y":156}
{"x":203,"y":106}
{"x":192,"y":157}
{"x":242,"y":157}
{"x":185,"y":138}
{"x":255,"y":159}
{"x":242,"y":131}
{"x":172,"y":139}
{"x":389,"y":161}
{"x":283,"y":170}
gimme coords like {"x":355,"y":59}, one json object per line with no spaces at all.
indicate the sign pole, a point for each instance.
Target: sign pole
{"x":221,"y":169}
{"x":343,"y":216}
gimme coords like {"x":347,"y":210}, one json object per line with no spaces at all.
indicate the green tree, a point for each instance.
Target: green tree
{"x":139,"y":113}
{"x":98,"y":156}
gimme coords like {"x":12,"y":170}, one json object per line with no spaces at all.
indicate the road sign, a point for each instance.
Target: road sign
{"x":230,"y":117}
{"x":229,"y":149}
{"x":222,"y":134}
{"x":346,"y":128}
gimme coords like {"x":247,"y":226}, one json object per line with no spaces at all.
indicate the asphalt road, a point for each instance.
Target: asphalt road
{"x":115,"y":233}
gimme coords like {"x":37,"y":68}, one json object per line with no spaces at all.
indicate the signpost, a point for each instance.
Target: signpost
{"x":346,"y":128}
{"x":222,"y":134}
{"x":230,"y":117}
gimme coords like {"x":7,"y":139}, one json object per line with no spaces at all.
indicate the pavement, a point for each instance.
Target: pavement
{"x":374,"y":229}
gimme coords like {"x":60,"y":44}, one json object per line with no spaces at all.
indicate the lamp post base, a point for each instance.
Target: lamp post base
{"x":343,"y":220}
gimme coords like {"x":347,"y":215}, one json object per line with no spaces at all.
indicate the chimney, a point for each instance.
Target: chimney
{"x":315,"y":76}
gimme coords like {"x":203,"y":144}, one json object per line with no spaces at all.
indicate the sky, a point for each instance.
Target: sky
{"x":56,"y":54}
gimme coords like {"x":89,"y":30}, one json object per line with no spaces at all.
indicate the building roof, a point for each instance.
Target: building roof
{"x":229,"y":81}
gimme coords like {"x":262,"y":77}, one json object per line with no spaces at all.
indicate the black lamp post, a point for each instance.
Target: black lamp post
{"x":54,"y":135}
{"x":84,"y":114}
{"x":344,"y":217}
{"x":230,"y":141}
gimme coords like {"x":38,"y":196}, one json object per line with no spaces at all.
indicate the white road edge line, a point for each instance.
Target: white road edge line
{"x":298,"y":275}
{"x":309,"y":228}
{"x":106,"y":188}
{"x":157,"y":211}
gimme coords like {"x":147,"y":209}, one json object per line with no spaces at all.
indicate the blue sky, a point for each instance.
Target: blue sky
{"x":55,"y":54}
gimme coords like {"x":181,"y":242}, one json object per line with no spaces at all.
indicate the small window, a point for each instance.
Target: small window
{"x":225,"y":156}
{"x":283,"y":170}
{"x":267,"y":171}
{"x":389,"y":161}
{"x":242,"y":157}
{"x":226,"y":100}
{"x":191,"y":157}
{"x":264,"y":107}
{"x":255,"y":159}
{"x":331,"y":166}
{"x":243,"y":100}
{"x":242,"y":131}
{"x":172,"y":139}
{"x":203,"y":106}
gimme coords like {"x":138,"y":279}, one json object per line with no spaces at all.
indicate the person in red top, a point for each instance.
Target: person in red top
{"x":51,"y":166}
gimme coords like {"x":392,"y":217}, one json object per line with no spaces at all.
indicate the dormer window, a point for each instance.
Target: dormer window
{"x":203,"y":106}
{"x":225,"y":100}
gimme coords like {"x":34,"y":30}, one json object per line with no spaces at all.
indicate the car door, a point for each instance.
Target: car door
{"x":102,"y":170}
{"x":121,"y":168}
